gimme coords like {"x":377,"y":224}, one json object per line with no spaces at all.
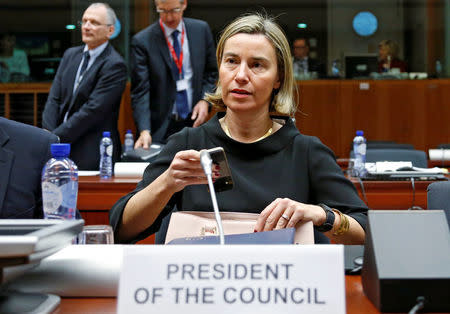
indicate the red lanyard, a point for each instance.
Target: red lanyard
{"x":178,"y":62}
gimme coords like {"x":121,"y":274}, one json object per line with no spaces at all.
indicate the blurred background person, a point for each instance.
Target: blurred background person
{"x":13,"y":61}
{"x":85,"y":96}
{"x":304,"y":66}
{"x":172,"y":67}
{"x":284,"y":176}
{"x":388,"y":54}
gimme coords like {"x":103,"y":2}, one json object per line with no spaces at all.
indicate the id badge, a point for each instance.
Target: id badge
{"x":182,"y":85}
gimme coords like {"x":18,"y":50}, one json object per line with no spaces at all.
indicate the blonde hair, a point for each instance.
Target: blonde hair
{"x":282,"y":99}
{"x":392,"y":46}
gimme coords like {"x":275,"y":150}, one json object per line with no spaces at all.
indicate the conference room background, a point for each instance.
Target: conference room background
{"x":405,"y":111}
{"x":45,"y":28}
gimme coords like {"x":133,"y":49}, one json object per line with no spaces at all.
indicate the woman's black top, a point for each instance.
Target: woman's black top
{"x":286,"y":164}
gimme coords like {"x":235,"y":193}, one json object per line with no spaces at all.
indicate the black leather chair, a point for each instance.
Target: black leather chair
{"x":444,"y":146}
{"x":417,"y":157}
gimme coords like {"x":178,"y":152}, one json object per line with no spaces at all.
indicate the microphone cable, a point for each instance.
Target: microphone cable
{"x":206,"y":162}
{"x":413,"y":206}
{"x":420,"y":304}
{"x":363,"y":191}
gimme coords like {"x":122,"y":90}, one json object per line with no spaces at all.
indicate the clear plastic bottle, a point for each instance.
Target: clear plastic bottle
{"x":60,"y":184}
{"x":335,"y":69}
{"x":387,"y":66}
{"x":128,"y":144}
{"x":106,"y":151}
{"x":438,"y":68}
{"x":359,"y":149}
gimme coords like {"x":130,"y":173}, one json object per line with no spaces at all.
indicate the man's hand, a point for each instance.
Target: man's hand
{"x":200,"y":113}
{"x":144,"y":140}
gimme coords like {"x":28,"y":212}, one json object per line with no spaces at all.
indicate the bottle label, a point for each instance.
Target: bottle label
{"x":360,"y":149}
{"x":54,"y":196}
{"x":109,"y":150}
{"x":70,"y":191}
{"x":51,"y":197}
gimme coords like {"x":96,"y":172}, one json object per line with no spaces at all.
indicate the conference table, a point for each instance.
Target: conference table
{"x":356,"y":301}
{"x":96,"y":196}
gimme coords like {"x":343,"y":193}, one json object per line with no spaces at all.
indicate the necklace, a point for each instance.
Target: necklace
{"x":227,"y":132}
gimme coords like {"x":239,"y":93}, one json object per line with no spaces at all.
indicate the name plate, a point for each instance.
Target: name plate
{"x":232,"y":279}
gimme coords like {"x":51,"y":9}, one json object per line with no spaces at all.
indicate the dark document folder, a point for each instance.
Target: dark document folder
{"x":280,"y":236}
{"x":143,"y":155}
{"x":404,"y":176}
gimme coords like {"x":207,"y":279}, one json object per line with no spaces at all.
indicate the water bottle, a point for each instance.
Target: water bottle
{"x":438,"y":68}
{"x":60,"y":184}
{"x":335,"y":71}
{"x":128,"y":142}
{"x":359,"y":149}
{"x":106,"y":151}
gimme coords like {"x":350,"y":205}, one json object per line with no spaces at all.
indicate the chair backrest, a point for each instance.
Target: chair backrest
{"x":374,"y":145}
{"x":438,"y":195}
{"x":444,"y":146}
{"x":417,"y":157}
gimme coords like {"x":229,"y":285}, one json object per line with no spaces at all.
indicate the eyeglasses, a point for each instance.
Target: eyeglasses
{"x":93,"y":23}
{"x":171,"y":11}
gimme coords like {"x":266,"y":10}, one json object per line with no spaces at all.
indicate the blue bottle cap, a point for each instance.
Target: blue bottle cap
{"x":60,"y":150}
{"x":128,"y":131}
{"x":106,"y":134}
{"x":359,"y":133}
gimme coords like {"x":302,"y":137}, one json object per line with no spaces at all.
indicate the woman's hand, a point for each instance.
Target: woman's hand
{"x":185,"y":170}
{"x":144,"y":207}
{"x":286,"y":213}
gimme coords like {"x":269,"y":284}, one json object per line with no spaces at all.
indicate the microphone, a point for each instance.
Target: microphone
{"x":206,"y":162}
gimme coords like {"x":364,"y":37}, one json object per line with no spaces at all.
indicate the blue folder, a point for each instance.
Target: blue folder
{"x":280,"y":236}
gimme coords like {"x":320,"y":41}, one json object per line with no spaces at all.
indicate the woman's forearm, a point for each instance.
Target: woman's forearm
{"x":354,"y":235}
{"x":144,"y":207}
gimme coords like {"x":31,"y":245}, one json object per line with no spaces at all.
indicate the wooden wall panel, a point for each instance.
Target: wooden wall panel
{"x":405,"y":111}
{"x":437,"y":113}
{"x":358,"y":102}
{"x":319,"y":111}
{"x":126,"y":120}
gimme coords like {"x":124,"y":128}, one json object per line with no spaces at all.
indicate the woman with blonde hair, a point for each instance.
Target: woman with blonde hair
{"x":388,"y":51}
{"x":282,"y":175}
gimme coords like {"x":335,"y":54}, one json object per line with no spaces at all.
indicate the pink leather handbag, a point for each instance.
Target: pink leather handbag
{"x":196,"y":223}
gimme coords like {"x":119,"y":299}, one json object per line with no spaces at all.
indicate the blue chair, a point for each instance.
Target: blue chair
{"x":374,"y":144}
{"x":379,"y":145}
{"x":417,"y":157}
{"x":438,"y":197}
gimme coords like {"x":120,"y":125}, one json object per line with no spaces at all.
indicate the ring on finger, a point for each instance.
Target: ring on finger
{"x":285,"y":217}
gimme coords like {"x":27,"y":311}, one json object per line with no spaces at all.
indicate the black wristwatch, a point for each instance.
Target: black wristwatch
{"x":329,"y":221}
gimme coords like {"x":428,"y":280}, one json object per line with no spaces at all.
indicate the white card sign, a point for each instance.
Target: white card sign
{"x":232,"y":279}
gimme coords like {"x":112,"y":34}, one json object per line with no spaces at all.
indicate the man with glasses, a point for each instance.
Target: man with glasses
{"x":304,"y":66}
{"x":85,"y":96}
{"x":173,"y":65}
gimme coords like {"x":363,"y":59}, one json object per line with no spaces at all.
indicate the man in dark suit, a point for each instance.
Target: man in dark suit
{"x":24,"y":150}
{"x":85,"y":96}
{"x":303,"y":64}
{"x":173,"y":66}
